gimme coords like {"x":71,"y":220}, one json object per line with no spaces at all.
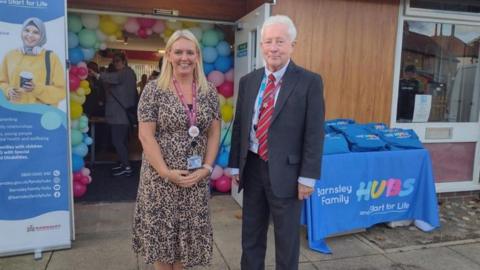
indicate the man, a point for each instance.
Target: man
{"x":277,"y":143}
{"x":121,"y":94}
{"x":409,"y":87}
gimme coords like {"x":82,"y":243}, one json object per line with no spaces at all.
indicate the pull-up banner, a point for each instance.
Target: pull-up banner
{"x":34,"y":146}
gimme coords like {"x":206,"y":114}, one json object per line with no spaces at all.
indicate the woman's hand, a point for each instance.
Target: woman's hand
{"x":185,"y":178}
{"x":14,"y":94}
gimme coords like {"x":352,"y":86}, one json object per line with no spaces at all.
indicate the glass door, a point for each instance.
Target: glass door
{"x":437,"y":89}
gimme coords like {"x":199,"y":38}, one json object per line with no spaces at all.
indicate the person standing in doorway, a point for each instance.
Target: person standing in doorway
{"x":121,"y":94}
{"x":276,"y":149}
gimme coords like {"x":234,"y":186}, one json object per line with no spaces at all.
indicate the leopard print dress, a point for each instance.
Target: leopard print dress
{"x":171,"y":223}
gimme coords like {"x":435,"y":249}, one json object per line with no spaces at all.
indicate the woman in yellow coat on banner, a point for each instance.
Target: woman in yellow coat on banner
{"x":32,"y":74}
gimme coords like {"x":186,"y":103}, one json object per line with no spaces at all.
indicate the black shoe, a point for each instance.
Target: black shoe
{"x":117,"y":167}
{"x":125,"y":171}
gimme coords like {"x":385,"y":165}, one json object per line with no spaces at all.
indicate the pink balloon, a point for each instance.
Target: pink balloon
{"x":158,"y":27}
{"x":77,"y":176}
{"x":84,"y":180}
{"x":85,"y":171}
{"x":73,"y":70}
{"x":229,"y":75}
{"x":74,"y":82}
{"x":131,"y":25}
{"x":217,"y":172}
{"x":82,"y":73}
{"x":89,"y":179}
{"x":227,"y":172}
{"x":223,"y":184}
{"x":79,"y":189}
{"x":226,"y":89}
{"x":146,"y":22}
{"x":216,"y":77}
{"x":142,"y":33}
{"x":82,"y":64}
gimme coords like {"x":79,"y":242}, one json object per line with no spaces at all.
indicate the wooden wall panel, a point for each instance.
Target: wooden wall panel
{"x":352,"y":45}
{"x":226,"y":10}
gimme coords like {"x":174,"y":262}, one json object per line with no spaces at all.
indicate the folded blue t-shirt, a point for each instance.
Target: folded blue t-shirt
{"x":331,"y":124}
{"x":360,"y":139}
{"x":401,"y":139}
{"x":335,"y":143}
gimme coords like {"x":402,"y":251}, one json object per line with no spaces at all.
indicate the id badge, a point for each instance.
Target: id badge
{"x":194,"y":162}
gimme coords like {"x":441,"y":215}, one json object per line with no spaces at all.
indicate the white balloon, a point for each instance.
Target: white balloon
{"x":90,"y":21}
{"x":103,"y":46}
{"x":206,"y":26}
{"x":100,"y":35}
{"x":197,"y":32}
{"x":174,"y":25}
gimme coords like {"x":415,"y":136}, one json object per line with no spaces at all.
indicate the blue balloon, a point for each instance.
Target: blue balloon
{"x":222,"y":159}
{"x":75,"y":55}
{"x":207,"y":68}
{"x":77,"y":163}
{"x":72,"y":40}
{"x":88,"y":140}
{"x":209,"y":54}
{"x":88,"y":54}
{"x":223,"y":48}
{"x":80,"y":149}
{"x":223,"y":63}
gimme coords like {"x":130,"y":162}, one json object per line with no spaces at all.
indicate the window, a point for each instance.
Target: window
{"x":439,"y":61}
{"x":469,"y":6}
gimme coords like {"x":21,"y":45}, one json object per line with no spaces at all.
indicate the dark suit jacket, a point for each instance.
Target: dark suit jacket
{"x":295,"y":138}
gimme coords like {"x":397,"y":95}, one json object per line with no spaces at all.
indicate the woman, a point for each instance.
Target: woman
{"x":179,"y":129}
{"x":32,"y":74}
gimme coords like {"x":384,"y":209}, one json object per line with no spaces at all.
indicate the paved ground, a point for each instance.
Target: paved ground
{"x":103,"y":242}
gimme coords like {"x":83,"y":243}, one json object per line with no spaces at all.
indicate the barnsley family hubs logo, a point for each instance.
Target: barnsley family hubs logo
{"x":389,"y":188}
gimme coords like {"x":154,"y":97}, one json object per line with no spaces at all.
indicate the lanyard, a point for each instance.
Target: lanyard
{"x":192,"y":114}
{"x":262,"y":89}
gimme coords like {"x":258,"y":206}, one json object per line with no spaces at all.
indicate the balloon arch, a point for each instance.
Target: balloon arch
{"x":88,"y":33}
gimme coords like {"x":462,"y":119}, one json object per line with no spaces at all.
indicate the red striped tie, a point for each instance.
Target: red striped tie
{"x":265,"y":116}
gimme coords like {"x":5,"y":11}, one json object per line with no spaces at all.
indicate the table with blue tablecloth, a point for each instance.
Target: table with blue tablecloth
{"x":358,"y":190}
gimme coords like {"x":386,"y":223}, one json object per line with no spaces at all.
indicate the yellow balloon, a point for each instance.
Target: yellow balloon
{"x":189,"y":24}
{"x":108,"y":27}
{"x":176,"y":25}
{"x":80,"y":91}
{"x":84,"y":84}
{"x":79,"y":99}
{"x":227,"y":112}
{"x":88,"y":90}
{"x":76,"y":110}
{"x":229,"y":101}
{"x":119,"y":19}
{"x":221,"y":100}
{"x":168,"y":32}
{"x":119,"y":34}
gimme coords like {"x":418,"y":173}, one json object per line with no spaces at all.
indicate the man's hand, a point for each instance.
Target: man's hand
{"x":236,"y":179}
{"x":304,"y":191}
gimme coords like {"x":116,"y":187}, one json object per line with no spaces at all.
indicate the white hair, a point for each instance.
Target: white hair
{"x":281,"y":19}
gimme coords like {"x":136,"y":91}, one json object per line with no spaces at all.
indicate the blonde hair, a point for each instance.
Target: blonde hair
{"x":167,"y":69}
